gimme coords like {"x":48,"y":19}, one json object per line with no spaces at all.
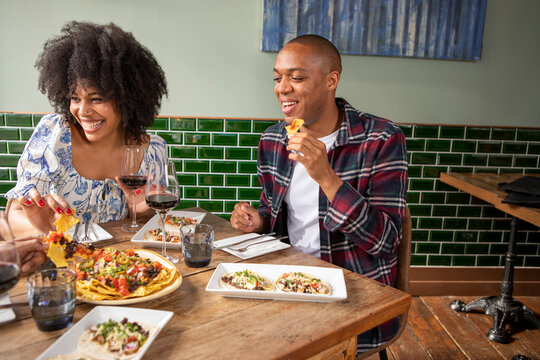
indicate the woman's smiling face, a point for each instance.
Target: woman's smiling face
{"x":96,"y":114}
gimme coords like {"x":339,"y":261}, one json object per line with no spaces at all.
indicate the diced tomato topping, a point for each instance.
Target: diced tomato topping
{"x":121,"y":285}
{"x":107,"y":257}
{"x":129,"y":252}
{"x":97,"y":254}
{"x":83,"y":251}
{"x":81,"y":275}
{"x":52,"y":236}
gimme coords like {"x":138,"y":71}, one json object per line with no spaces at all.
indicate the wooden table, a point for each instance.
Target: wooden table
{"x":209,"y":326}
{"x":503,"y":308}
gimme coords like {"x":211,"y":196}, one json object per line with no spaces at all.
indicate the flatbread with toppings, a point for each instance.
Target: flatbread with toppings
{"x":246,"y":280}
{"x":295,"y":126}
{"x":71,"y":356}
{"x":114,"y":339}
{"x":299,"y":282}
{"x":179,"y":221}
{"x":172,"y":229}
{"x":156,"y":235}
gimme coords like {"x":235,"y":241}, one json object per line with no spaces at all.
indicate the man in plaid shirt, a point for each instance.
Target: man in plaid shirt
{"x":337,"y":187}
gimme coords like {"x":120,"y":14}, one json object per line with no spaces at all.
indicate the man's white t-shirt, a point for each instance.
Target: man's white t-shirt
{"x":302,"y":198}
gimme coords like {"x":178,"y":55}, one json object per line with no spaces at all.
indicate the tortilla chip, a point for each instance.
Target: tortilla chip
{"x":295,"y":126}
{"x":65,"y":222}
{"x":57,"y":254}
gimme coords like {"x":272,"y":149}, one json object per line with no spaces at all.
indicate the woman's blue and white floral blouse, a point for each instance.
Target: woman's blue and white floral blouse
{"x":46,"y":165}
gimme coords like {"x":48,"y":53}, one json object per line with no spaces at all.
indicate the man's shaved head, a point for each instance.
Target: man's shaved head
{"x":322,"y":47}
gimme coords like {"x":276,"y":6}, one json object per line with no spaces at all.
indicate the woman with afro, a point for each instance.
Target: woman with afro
{"x":106,"y":89}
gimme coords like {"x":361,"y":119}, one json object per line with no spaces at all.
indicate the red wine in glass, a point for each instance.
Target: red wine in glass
{"x":162,"y":202}
{"x":162,"y":194}
{"x":133,"y":181}
{"x":130,"y":176}
{"x":9,"y":275}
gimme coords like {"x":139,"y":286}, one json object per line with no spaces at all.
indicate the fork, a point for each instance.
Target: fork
{"x":244,"y":248}
{"x":243,"y":241}
{"x":85,"y":236}
{"x":76,"y":232}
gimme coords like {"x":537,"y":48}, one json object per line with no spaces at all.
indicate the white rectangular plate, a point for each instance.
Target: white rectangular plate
{"x":331,"y":275}
{"x":252,"y":251}
{"x":153,"y":223}
{"x":98,"y":233}
{"x":67,"y":343}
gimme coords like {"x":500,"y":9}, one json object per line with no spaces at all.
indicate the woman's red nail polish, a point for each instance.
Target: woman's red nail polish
{"x":59,"y":210}
{"x":137,"y":192}
{"x":68,"y":211}
{"x":28,"y":202}
{"x":41,"y":203}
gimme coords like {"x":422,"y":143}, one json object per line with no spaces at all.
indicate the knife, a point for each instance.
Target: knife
{"x":243,"y":241}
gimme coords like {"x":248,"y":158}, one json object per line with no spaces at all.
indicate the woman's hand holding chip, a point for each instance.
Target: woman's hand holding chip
{"x":40,"y":211}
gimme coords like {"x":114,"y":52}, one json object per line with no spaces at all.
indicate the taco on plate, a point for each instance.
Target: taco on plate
{"x":246,"y":280}
{"x":114,"y":339}
{"x":300,"y":282}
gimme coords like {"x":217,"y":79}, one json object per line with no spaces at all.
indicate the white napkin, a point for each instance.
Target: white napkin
{"x":95,"y":232}
{"x":252,"y":251}
{"x":6,"y":314}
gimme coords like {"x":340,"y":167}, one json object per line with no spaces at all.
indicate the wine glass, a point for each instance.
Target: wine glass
{"x":9,"y":258}
{"x":130,"y":176}
{"x":162,"y":195}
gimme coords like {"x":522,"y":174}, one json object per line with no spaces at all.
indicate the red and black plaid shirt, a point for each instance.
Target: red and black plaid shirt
{"x":361,"y":228}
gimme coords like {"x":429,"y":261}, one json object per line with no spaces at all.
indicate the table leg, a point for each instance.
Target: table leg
{"x":502,"y":308}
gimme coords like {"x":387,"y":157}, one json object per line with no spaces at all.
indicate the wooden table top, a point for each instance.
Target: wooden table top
{"x":485,"y":186}
{"x":210,"y":326}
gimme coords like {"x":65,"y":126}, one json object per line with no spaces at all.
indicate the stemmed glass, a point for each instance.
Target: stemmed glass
{"x":162,"y":195}
{"x":130,"y":176}
{"x":9,"y":258}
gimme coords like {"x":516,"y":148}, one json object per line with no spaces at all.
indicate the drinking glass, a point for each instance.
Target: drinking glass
{"x":51,"y":294}
{"x":130,"y":176}
{"x":197,"y":242}
{"x":9,"y":258}
{"x":162,"y":195}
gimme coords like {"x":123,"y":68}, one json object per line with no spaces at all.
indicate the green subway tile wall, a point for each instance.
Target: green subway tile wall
{"x":216,"y":162}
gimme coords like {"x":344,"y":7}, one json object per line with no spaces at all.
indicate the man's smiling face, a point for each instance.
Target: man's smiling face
{"x":300,"y":77}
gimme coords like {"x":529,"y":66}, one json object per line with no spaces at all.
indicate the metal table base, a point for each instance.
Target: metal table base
{"x":503,"y":308}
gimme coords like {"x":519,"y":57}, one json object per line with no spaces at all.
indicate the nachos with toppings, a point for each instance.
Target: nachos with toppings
{"x":62,"y":248}
{"x":111,"y":274}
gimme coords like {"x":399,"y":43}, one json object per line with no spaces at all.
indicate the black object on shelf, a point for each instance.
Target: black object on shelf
{"x":524,"y":191}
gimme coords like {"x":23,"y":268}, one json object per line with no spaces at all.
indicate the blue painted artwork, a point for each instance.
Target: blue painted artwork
{"x":438,"y":29}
